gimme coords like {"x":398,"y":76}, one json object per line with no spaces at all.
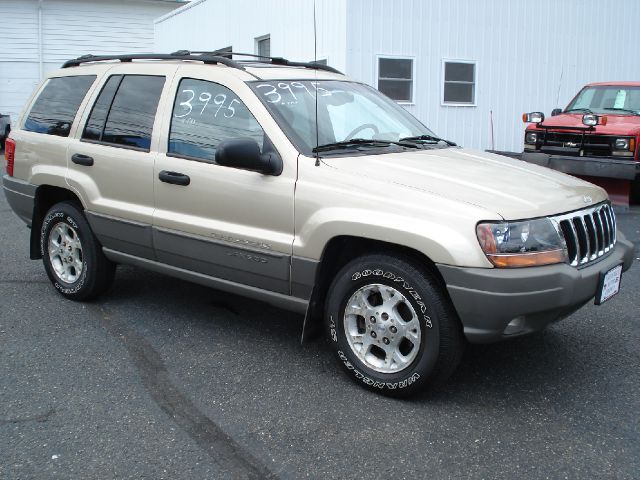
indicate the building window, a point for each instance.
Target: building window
{"x":459,"y":86}
{"x":225,"y":52}
{"x":263,"y":46}
{"x":395,"y":78}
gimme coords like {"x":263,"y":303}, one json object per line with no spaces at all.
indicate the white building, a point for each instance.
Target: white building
{"x":461,"y":66}
{"x":39,"y":35}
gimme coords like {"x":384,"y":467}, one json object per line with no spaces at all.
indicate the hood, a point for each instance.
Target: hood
{"x":512,"y":188}
{"x":616,"y":124}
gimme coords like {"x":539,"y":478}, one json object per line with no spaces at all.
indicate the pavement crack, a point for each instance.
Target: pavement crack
{"x":43,"y":417}
{"x":222,"y":449}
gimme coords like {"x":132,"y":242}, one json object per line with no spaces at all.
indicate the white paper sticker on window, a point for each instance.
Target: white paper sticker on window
{"x":621,"y":96}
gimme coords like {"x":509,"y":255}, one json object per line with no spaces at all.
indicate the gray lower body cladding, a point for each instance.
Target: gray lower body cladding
{"x":488,"y":299}
{"x":21,"y":196}
{"x":215,"y":263}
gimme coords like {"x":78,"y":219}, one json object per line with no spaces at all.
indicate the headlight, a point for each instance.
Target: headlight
{"x":591,"y":120}
{"x":531,"y":137}
{"x":622,"y":144}
{"x":522,"y":244}
{"x":533,"y":117}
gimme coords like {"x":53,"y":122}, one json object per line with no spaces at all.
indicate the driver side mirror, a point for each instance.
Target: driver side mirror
{"x":244,"y":153}
{"x":556,"y":111}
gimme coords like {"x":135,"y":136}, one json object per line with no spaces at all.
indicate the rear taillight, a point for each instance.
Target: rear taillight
{"x":10,"y":154}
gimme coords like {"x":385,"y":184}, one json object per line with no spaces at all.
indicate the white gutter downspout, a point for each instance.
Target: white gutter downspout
{"x":40,"y":52}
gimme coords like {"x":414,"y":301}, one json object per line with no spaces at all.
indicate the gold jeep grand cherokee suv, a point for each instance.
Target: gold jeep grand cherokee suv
{"x":292,"y":184}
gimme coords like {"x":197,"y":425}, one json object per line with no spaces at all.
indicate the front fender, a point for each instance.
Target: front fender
{"x":452,"y":243}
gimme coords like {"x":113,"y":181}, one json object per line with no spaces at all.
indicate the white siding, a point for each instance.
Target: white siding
{"x":530,"y":55}
{"x":210,"y":25}
{"x":69,"y":28}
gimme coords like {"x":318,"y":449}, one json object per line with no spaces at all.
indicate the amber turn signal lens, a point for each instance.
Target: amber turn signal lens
{"x":532,"y":259}
{"x":486,"y":238}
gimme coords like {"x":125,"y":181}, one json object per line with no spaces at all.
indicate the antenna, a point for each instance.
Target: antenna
{"x":315,"y":60}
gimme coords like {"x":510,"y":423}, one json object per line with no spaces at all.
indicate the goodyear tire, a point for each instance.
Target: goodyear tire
{"x":72,"y":255}
{"x":392,"y":325}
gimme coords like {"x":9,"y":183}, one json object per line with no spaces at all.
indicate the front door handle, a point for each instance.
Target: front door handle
{"x":80,"y":159}
{"x":174,"y":177}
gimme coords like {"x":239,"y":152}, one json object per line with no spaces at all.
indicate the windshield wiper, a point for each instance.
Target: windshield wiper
{"x":585,"y":110}
{"x":428,"y":138}
{"x":359,"y":141}
{"x":632,"y":112}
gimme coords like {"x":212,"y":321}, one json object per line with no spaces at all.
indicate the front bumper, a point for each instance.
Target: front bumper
{"x":21,"y":196}
{"x":586,"y":166}
{"x":488,"y":299}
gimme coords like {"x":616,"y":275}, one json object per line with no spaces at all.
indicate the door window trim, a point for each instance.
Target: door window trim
{"x":119,"y":145}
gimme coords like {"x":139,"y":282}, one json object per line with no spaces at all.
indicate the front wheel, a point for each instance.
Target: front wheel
{"x":72,"y":256}
{"x":392,"y":325}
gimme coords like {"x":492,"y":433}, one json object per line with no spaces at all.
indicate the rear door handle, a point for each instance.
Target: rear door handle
{"x":174,"y":177}
{"x":80,"y":159}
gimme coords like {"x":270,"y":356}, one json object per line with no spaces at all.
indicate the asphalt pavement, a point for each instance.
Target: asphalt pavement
{"x":163,"y":379}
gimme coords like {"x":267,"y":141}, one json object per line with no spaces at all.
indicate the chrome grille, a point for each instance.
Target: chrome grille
{"x":589,"y":233}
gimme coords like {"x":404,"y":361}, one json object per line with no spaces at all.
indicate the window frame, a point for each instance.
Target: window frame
{"x":103,"y":84}
{"x":474,"y":103}
{"x":176,"y":92}
{"x":262,"y":38}
{"x":412,"y":101}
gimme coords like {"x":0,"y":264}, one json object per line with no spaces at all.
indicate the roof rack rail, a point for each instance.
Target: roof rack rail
{"x":179,"y":55}
{"x":272,"y":60}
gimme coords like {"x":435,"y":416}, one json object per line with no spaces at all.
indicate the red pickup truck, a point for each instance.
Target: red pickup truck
{"x":596,"y":137}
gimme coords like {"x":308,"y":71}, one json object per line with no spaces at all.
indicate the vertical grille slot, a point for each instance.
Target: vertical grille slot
{"x":591,"y":236}
{"x":597,"y":223}
{"x":588,"y":233}
{"x":570,"y":239}
{"x":581,"y":233}
{"x":605,"y":228}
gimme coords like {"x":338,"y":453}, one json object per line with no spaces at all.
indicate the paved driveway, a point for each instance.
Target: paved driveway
{"x":165,"y":379}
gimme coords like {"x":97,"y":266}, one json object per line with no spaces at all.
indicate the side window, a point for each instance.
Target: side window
{"x":204,"y":114}
{"x":95,"y":125}
{"x":125,"y":110}
{"x":56,"y":106}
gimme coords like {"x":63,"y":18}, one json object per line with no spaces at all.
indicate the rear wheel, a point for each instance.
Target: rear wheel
{"x":72,"y":256}
{"x":393,"y":327}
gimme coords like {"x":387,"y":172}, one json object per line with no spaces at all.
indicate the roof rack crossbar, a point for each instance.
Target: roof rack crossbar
{"x":180,"y":55}
{"x":272,"y":60}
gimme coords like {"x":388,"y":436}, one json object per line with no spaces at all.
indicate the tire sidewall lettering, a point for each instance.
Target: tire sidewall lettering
{"x":376,"y":383}
{"x":404,"y":284}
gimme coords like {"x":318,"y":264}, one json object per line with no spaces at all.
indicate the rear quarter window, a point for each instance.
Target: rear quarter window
{"x":57,"y":105}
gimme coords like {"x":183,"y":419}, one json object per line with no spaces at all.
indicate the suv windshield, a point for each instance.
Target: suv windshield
{"x":346,"y":111}
{"x":609,"y":99}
